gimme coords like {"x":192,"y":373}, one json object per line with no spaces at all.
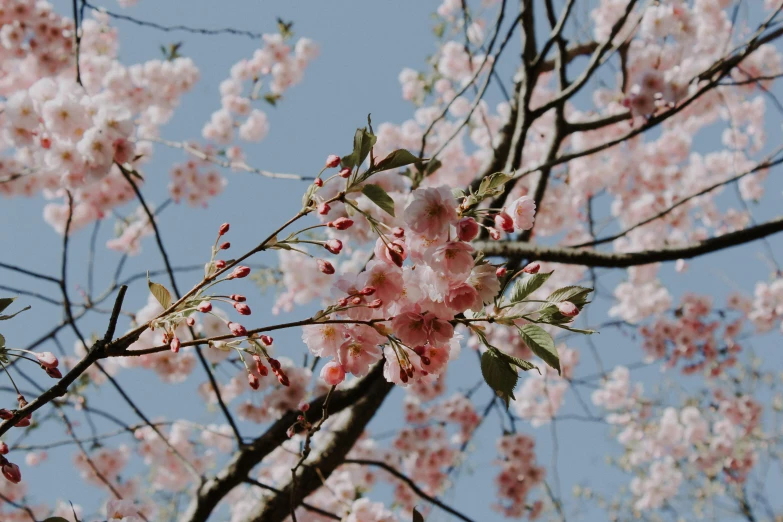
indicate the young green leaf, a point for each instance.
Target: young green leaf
{"x":5,"y":302}
{"x":363,"y":141}
{"x":160,"y":293}
{"x":396,"y":159}
{"x":492,"y":185}
{"x":499,"y":374}
{"x":2,"y":342}
{"x":6,"y":317}
{"x":520,"y":363}
{"x":541,"y":344}
{"x":379,"y":196}
{"x":575,"y":294}
{"x":527,"y":284}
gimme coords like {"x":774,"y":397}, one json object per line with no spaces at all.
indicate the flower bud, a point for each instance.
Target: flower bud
{"x":377,"y":303}
{"x":11,"y":472}
{"x":532,"y":268}
{"x":334,"y":246}
{"x":318,"y":182}
{"x":239,"y":272}
{"x":191,"y":321}
{"x":223,"y":228}
{"x":504,"y":222}
{"x":324,"y":208}
{"x":304,"y":406}
{"x":242,"y":308}
{"x":237,"y":329}
{"x":262,"y":370}
{"x":501,"y":271}
{"x":5,"y":414}
{"x":568,"y":309}
{"x":225,"y":246}
{"x":325,"y":266}
{"x":220,"y":264}
{"x":3,"y":448}
{"x":343,"y":301}
{"x":332,"y":161}
{"x":467,"y":229}
{"x":494,"y":233}
{"x":283,"y":379}
{"x":341,"y":223}
{"x":333,"y":373}
{"x":266,"y":340}
{"x":47,"y":359}
{"x":204,"y":306}
{"x":238,"y":298}
{"x":356,"y":300}
{"x":54,"y":373}
{"x":368,"y":290}
{"x":175,"y":344}
{"x":275,"y":364}
{"x":345,"y":173}
{"x":252,"y":380}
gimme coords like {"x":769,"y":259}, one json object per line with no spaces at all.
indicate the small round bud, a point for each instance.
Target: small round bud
{"x":204,"y":306}
{"x":238,"y":298}
{"x":345,"y":173}
{"x":304,"y":406}
{"x":341,"y":223}
{"x":501,"y":271}
{"x":252,"y":380}
{"x":325,"y":266}
{"x":223,"y":228}
{"x":532,"y":268}
{"x":191,"y":321}
{"x":324,"y":208}
{"x":568,"y":309}
{"x":332,"y":161}
{"x":368,"y":290}
{"x":267,"y":340}
{"x":11,"y":472}
{"x":3,"y":448}
{"x":334,"y":246}
{"x":356,"y":300}
{"x":225,"y":246}
{"x":318,"y":182}
{"x":242,"y":308}
{"x":237,"y":329}
{"x":220,"y":264}
{"x":239,"y":272}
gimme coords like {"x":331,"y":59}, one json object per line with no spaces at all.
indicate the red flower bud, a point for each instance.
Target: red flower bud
{"x":239,"y":272}
{"x":332,"y":161}
{"x":377,"y":303}
{"x":5,"y":414}
{"x":267,"y":340}
{"x":225,"y":246}
{"x":175,"y":344}
{"x":220,"y":264}
{"x":356,"y":300}
{"x":494,"y":233}
{"x":325,"y":266}
{"x":275,"y":364}
{"x":318,"y":182}
{"x":324,"y":208}
{"x":334,"y":246}
{"x":532,"y":268}
{"x":242,"y":308}
{"x":224,"y":228}
{"x":368,"y":290}
{"x":345,"y":173}
{"x":304,"y":406}
{"x":343,"y":301}
{"x":568,"y":309}
{"x":238,"y":298}
{"x":47,"y":359}
{"x":11,"y":472}
{"x":253,"y":381}
{"x":501,"y":271}
{"x":283,"y":379}
{"x":342,"y":223}
{"x":237,"y":329}
{"x":204,"y":306}
{"x":54,"y":373}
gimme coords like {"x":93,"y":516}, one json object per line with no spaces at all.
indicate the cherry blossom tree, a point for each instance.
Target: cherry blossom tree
{"x":504,"y":237}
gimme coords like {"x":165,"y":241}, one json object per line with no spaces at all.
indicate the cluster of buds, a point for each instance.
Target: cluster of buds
{"x":359,"y":299}
{"x":301,"y":421}
{"x":24,"y":421}
{"x":261,"y":369}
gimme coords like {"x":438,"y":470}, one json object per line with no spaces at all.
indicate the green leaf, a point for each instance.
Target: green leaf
{"x":458,"y":193}
{"x":492,"y":185}
{"x":499,"y":374}
{"x":527,"y":284}
{"x":396,"y":159}
{"x":6,"y":317}
{"x":160,"y":293}
{"x":417,"y":517}
{"x":541,"y":343}
{"x":2,"y":342}
{"x":363,"y":142}
{"x":516,"y":361}
{"x":5,"y":302}
{"x":576,"y":330}
{"x":379,"y":196}
{"x":575,"y":294}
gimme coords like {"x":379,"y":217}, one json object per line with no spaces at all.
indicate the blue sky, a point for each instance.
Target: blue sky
{"x":364,"y":45}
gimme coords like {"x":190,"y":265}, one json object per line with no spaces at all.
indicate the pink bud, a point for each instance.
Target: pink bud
{"x":304,"y":406}
{"x":377,"y":303}
{"x":204,"y":306}
{"x":262,"y":370}
{"x":223,"y":228}
{"x":175,"y":344}
{"x":240,"y":271}
{"x":504,"y":222}
{"x":345,"y":173}
{"x":343,"y":301}
{"x":24,"y":422}
{"x":341,"y":223}
{"x":501,"y":271}
{"x":225,"y":246}
{"x":532,"y":268}
{"x":268,"y":342}
{"x":237,"y":329}
{"x":290,"y":432}
{"x":3,"y":448}
{"x":238,"y":298}
{"x":191,"y":321}
{"x":318,"y":182}
{"x":333,"y":373}
{"x":242,"y":308}
{"x":47,"y":359}
{"x":275,"y":364}
{"x":332,"y":161}
{"x":220,"y":264}
{"x":12,"y":473}
{"x":568,"y":309}
{"x":467,"y":229}
{"x":283,"y":379}
{"x":368,"y":290}
{"x":324,"y":208}
{"x":5,"y":414}
{"x":398,"y":232}
{"x":54,"y":373}
{"x":253,"y":381}
{"x":494,"y":233}
{"x":334,"y":246}
{"x":325,"y":266}
{"x":356,"y":300}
